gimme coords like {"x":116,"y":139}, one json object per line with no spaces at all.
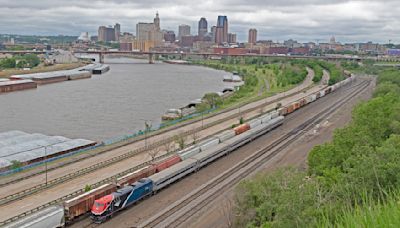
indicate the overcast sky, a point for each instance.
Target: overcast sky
{"x":304,"y":20}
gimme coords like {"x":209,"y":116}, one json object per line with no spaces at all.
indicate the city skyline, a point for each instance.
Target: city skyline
{"x":306,"y":20}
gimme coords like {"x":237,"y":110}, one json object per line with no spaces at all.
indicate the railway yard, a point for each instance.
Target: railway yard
{"x":12,"y":191}
{"x":170,"y":207}
{"x":191,"y":201}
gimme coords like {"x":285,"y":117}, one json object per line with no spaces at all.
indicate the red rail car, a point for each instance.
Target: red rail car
{"x":167,"y":163}
{"x":136,"y":175}
{"x":241,"y":128}
{"x":83,"y":203}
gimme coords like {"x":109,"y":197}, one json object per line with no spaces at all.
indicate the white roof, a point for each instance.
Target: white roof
{"x":21,"y":146}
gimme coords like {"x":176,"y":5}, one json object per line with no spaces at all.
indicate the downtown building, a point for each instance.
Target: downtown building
{"x":148,"y":35}
{"x":203,"y":27}
{"x":107,"y":34}
{"x":252,"y":39}
{"x":221,"y":31}
{"x":183,"y":30}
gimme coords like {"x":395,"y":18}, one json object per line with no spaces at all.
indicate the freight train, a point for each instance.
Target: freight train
{"x":192,"y":160}
{"x":105,"y":201}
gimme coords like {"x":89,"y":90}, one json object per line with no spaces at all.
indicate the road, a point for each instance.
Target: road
{"x":138,"y":213}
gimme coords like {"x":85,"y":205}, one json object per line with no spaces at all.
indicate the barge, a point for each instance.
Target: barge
{"x":10,"y":86}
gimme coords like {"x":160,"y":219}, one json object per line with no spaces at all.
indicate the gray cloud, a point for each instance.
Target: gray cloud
{"x":306,"y":20}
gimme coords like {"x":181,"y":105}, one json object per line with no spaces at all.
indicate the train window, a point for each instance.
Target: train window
{"x":97,"y":204}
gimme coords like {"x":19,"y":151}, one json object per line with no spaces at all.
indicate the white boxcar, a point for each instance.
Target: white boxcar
{"x":173,"y":173}
{"x":254,"y":123}
{"x":50,"y":217}
{"x":188,"y":152}
{"x":265,"y":118}
{"x":225,"y":135}
{"x":274,"y":114}
{"x":208,"y":144}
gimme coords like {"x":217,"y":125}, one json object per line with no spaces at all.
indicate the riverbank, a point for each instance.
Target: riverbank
{"x":41,"y":69}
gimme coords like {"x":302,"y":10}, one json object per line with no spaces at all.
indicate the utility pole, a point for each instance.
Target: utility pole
{"x":147,"y":127}
{"x":45,"y":161}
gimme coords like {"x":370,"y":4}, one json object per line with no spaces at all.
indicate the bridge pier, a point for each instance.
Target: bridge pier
{"x":101,"y":57}
{"x":151,"y":58}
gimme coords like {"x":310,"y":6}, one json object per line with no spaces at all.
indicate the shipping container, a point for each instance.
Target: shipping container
{"x":136,"y":175}
{"x":241,"y":128}
{"x":83,"y":203}
{"x":167,"y":163}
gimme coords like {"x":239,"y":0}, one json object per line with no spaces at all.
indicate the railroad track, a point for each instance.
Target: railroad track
{"x":179,"y":212}
{"x":114,"y":160}
{"x":161,"y":131}
{"x":155,"y":133}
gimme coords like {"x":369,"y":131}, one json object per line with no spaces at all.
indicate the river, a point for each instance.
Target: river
{"x":109,"y":105}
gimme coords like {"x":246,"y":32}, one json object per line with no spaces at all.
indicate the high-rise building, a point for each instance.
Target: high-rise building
{"x":252,"y":36}
{"x":106,"y":34}
{"x":117,"y":31}
{"x":222,"y":30}
{"x":184,"y":30}
{"x":148,"y":35}
{"x":143,"y":30}
{"x":203,"y":27}
{"x":169,"y":36}
{"x":232,"y":38}
{"x":213,"y":33}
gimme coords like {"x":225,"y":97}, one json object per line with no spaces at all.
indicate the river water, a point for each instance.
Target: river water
{"x":109,"y":105}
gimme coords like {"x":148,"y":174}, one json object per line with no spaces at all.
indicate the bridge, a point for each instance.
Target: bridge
{"x":151,"y":55}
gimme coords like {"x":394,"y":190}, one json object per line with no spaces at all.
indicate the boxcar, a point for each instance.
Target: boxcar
{"x":283,"y":111}
{"x":136,"y":175}
{"x":208,"y":143}
{"x":255,"y":123}
{"x":241,"y":128}
{"x":166,"y":163}
{"x":83,"y":203}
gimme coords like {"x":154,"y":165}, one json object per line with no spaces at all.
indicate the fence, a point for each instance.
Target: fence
{"x":107,"y":142}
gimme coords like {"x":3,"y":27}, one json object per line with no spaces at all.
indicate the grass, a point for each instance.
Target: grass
{"x":381,"y":214}
{"x":8,"y":72}
{"x":261,"y":81}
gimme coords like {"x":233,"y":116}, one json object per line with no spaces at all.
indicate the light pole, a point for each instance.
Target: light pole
{"x":202,"y":119}
{"x":147,"y":127}
{"x":45,"y":161}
